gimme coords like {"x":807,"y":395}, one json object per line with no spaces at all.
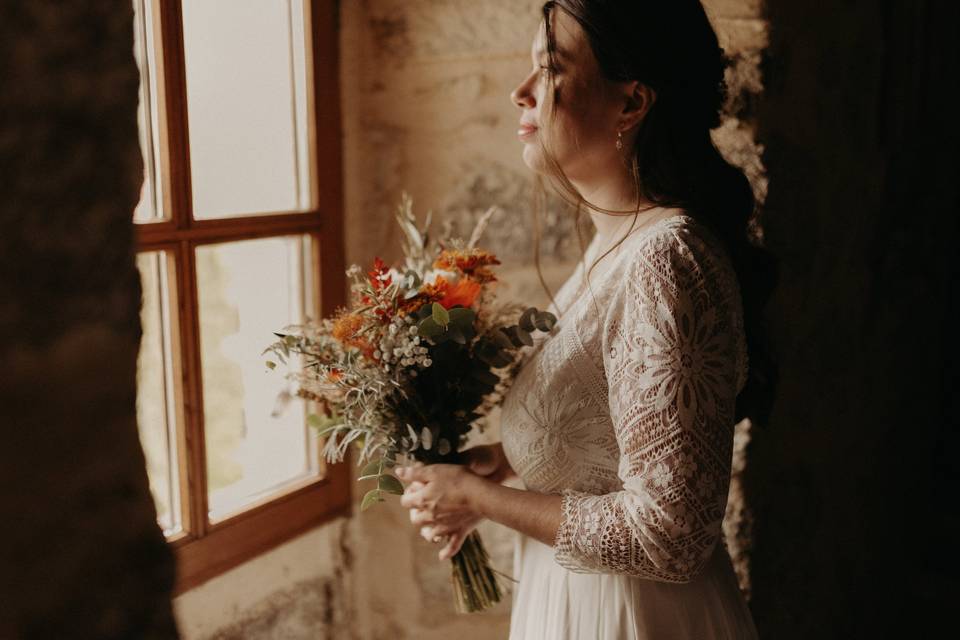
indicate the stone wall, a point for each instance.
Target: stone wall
{"x":81,"y":555}
{"x":852,"y":480}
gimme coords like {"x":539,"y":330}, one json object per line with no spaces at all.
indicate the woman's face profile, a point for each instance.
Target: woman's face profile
{"x":575,"y":116}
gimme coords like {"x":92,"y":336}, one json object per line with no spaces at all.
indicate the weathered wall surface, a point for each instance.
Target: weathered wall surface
{"x":301,"y":589}
{"x":852,"y":481}
{"x":81,"y":555}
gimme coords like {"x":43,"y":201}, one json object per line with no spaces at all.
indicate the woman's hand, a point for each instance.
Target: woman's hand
{"x":489,"y":461}
{"x":440,"y":500}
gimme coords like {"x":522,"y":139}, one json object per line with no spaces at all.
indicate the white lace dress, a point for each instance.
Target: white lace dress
{"x":627,"y":411}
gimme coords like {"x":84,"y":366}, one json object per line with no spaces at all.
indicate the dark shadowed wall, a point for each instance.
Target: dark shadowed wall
{"x":81,"y":555}
{"x":852,"y":481}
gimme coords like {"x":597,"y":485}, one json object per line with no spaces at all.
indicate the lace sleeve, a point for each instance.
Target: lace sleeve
{"x":670,"y":358}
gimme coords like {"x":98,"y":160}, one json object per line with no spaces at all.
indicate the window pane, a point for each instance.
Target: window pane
{"x":247,"y":290}
{"x":247,"y":106}
{"x":150,"y":207}
{"x":155,"y":397}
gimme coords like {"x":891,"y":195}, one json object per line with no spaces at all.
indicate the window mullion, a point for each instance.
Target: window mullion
{"x":174,"y":130}
{"x":194,"y":457}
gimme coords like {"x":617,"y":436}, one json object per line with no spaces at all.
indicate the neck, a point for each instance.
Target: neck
{"x":618,"y":196}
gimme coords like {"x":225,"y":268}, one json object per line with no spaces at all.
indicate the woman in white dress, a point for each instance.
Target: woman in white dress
{"x":620,"y":423}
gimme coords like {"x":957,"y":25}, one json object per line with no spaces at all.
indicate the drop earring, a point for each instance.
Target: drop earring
{"x":619,"y":140}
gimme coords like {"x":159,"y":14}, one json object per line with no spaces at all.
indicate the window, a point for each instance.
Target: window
{"x":239,"y":232}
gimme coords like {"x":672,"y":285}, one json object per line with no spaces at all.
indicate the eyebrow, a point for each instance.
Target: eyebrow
{"x":558,"y":52}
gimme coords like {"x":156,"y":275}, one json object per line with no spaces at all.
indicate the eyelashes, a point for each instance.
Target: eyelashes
{"x":548,"y":71}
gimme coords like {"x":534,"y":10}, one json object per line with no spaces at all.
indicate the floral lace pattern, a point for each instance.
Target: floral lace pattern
{"x":627,"y":409}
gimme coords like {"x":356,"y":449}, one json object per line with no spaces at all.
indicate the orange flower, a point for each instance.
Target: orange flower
{"x":429,"y":293}
{"x":473,"y":263}
{"x":346,"y":329}
{"x":464,"y":293}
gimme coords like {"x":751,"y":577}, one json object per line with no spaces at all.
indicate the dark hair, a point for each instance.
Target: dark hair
{"x":670,"y":46}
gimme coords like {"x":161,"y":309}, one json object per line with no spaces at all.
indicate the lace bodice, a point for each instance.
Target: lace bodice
{"x":626,"y":409}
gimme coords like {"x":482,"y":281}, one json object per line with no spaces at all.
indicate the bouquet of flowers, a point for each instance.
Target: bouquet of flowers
{"x":411,"y":367}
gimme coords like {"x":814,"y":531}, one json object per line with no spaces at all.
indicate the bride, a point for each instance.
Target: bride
{"x":620,"y":423}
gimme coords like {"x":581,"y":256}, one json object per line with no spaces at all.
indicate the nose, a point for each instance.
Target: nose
{"x":522,"y":95}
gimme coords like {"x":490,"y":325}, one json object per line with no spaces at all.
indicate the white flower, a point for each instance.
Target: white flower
{"x":592,"y":523}
{"x":685,"y":360}
{"x":705,"y":484}
{"x":662,"y":476}
{"x":686,"y":465}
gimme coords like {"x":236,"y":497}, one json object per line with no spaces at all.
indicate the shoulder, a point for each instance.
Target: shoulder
{"x":678,"y":251}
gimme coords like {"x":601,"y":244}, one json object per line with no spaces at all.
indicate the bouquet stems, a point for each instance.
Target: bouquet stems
{"x":475,"y":586}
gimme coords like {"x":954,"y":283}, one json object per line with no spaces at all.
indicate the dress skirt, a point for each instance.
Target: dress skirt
{"x":553,"y":603}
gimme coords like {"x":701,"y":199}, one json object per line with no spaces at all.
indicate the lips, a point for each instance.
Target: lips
{"x":526,"y":130}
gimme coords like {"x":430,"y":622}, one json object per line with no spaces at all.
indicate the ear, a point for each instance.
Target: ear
{"x":638,"y":100}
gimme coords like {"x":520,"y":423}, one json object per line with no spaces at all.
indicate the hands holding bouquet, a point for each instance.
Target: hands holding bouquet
{"x":439,"y":496}
{"x":416,"y":362}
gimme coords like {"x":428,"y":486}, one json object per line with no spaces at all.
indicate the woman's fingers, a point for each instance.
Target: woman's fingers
{"x":453,"y":545}
{"x":416,"y":500}
{"x":421,"y":517}
{"x":411,"y":498}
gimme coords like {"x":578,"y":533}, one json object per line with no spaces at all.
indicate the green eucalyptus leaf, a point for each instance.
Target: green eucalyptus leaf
{"x":390,"y":484}
{"x":462,"y":317}
{"x":372,"y":497}
{"x":501,"y":359}
{"x":456,"y":334}
{"x":428,"y":328}
{"x":513,"y":333}
{"x":524,"y":337}
{"x":271,"y":364}
{"x":440,"y":315}
{"x":526,"y":319}
{"x":443,"y":447}
{"x":502,"y":338}
{"x":314,"y":420}
{"x":372,"y":469}
{"x":545,"y":321}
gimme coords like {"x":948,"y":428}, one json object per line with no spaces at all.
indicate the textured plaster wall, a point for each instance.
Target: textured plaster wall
{"x":81,"y":555}
{"x":853,"y":481}
{"x":301,"y":589}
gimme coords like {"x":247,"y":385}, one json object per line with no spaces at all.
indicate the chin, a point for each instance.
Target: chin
{"x":533,"y":158}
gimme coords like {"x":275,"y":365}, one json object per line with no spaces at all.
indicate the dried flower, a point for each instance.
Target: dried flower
{"x":473,"y":263}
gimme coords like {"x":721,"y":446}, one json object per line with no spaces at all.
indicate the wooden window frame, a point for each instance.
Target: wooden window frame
{"x":204,"y":549}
